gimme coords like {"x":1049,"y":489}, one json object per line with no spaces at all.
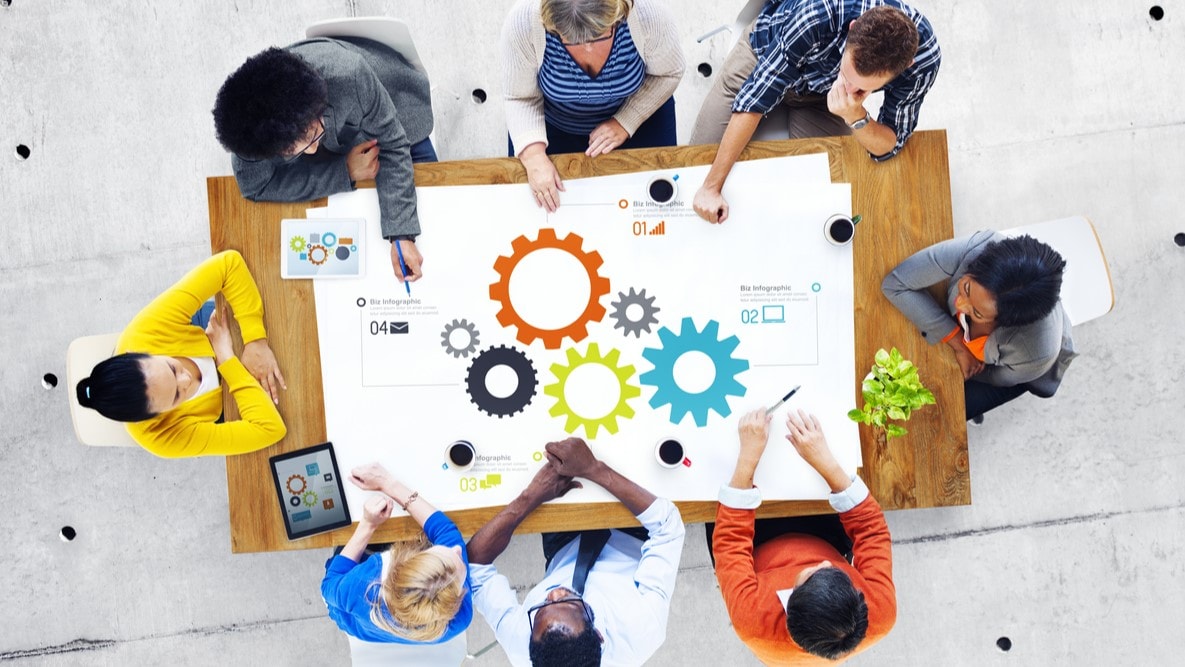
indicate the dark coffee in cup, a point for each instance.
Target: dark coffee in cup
{"x":841,"y":230}
{"x":461,"y":453}
{"x":661,"y":190}
{"x":670,"y":452}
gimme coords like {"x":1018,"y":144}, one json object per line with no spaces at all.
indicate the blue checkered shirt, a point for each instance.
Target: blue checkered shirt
{"x":799,"y":43}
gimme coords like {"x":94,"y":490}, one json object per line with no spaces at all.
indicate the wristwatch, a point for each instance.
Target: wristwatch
{"x":862,"y":122}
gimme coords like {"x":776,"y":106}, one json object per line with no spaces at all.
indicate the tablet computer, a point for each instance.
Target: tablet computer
{"x":309,"y":488}
{"x":322,"y":248}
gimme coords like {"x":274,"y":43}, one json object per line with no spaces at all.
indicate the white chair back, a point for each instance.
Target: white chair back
{"x":382,"y":29}
{"x":90,"y":427}
{"x":735,"y":29}
{"x":1086,"y":286}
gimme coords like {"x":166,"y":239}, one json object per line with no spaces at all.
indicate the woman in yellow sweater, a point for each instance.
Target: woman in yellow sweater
{"x":165,"y":378}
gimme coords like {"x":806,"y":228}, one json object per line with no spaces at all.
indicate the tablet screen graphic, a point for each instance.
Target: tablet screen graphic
{"x":312,"y":499}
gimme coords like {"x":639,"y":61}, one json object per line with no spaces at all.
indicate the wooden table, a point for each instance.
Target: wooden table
{"x":906,"y":206}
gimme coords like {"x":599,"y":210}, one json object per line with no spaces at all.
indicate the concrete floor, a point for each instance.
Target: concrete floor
{"x":1073,"y":549}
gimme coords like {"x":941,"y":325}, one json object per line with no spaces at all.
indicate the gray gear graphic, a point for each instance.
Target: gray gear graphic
{"x":635,"y":327}
{"x":447,"y":344}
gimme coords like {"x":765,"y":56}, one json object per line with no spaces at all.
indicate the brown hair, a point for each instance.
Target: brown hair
{"x":422,"y":592}
{"x":883,"y":40}
{"x":577,"y":21}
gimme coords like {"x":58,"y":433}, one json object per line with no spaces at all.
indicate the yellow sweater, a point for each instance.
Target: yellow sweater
{"x":163,"y":327}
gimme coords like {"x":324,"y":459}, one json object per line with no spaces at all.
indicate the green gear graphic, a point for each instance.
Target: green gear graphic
{"x":309,"y":498}
{"x":296,"y":244}
{"x":593,"y":356}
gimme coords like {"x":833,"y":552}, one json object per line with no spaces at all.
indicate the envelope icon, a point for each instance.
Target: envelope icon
{"x":398,"y":327}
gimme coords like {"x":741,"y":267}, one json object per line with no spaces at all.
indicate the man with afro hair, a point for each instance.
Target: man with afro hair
{"x":314,"y":118}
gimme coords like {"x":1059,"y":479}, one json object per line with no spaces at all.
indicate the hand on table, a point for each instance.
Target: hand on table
{"x":754,"y":434}
{"x":411,"y":257}
{"x":549,"y":484}
{"x":371,"y":477}
{"x":967,"y":361}
{"x":377,"y":510}
{"x":710,"y":205}
{"x":807,"y":437}
{"x":542,"y":176}
{"x":848,"y":106}
{"x":605,"y":137}
{"x":219,"y":334}
{"x":363,"y":161}
{"x":261,"y":363}
{"x":571,"y":457}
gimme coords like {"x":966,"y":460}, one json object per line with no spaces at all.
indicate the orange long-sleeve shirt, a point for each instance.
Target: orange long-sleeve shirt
{"x":750,"y":581}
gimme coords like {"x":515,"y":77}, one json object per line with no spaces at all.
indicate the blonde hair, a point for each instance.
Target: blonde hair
{"x":422,"y":592}
{"x":577,"y":21}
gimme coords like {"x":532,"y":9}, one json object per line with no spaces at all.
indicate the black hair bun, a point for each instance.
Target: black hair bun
{"x":83,"y":393}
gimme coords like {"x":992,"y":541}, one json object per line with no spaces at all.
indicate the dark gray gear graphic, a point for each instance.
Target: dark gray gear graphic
{"x":446,"y":335}
{"x":486,"y":361}
{"x":635,"y":327}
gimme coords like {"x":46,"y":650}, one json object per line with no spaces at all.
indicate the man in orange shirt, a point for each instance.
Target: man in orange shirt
{"x":793,"y":598}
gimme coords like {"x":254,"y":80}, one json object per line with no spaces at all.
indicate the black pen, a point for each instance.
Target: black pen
{"x":785,"y":398}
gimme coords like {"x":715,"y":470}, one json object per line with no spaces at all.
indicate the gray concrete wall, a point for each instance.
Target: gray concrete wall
{"x":1072,"y":549}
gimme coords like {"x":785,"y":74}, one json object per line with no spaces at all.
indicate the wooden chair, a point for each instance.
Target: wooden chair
{"x":90,"y":427}
{"x":1087,"y":292}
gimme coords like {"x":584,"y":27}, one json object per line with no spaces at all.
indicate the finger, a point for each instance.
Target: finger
{"x":551,"y":201}
{"x":559,"y":183}
{"x":279,"y":377}
{"x":265,"y":380}
{"x":815,"y":423}
{"x":723,"y":211}
{"x":357,"y":481}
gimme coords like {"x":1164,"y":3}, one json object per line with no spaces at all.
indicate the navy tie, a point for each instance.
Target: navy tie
{"x":591,"y":543}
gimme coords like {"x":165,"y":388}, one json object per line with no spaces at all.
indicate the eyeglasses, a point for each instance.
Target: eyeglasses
{"x":612,"y":31}
{"x":309,"y":145}
{"x":572,"y":599}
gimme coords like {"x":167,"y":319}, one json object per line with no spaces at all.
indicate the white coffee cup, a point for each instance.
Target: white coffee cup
{"x":669,"y":453}
{"x":839,"y":229}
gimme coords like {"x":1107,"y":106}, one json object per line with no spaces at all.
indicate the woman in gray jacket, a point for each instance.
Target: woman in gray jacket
{"x":1003,"y":319}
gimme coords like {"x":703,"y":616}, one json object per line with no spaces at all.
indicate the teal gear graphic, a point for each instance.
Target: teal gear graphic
{"x":310,"y":498}
{"x":662,"y":378}
{"x":303,"y":484}
{"x":297,"y":244}
{"x":591,"y":425}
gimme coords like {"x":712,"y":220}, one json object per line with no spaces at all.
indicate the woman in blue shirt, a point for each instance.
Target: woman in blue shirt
{"x":416,"y":592}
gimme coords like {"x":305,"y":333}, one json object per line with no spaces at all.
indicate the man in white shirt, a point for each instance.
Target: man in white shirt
{"x":605,"y":598}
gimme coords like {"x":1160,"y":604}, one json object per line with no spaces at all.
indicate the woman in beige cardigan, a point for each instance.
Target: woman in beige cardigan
{"x":587,"y":75}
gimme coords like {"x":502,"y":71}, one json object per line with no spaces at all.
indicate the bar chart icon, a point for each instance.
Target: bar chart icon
{"x":659,"y":229}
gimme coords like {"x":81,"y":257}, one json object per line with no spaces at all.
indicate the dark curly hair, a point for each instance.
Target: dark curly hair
{"x":268,"y":104}
{"x":558,"y":648}
{"x":883,"y":40}
{"x":826,"y":615}
{"x":1025,"y":276}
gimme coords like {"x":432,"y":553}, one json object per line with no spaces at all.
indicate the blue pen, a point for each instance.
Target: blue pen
{"x":403,"y":267}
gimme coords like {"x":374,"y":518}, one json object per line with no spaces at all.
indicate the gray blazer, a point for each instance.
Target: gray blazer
{"x":1037,"y":354}
{"x":373,"y":94}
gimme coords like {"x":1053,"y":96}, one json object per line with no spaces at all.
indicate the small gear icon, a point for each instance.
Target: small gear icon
{"x":318,"y":248}
{"x":626,"y":391}
{"x":297,"y":244}
{"x":689,"y":339}
{"x":593,"y":310}
{"x":446,"y":338}
{"x":303,"y":484}
{"x":620,"y":313}
{"x":310,"y":498}
{"x":486,"y":361}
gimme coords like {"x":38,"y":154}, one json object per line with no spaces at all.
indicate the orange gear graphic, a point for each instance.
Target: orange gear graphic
{"x":303,"y":484}
{"x":593,"y":310}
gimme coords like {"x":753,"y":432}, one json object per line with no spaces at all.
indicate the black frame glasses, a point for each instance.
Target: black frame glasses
{"x":300,"y":152}
{"x":612,"y":33}
{"x":588,"y":612}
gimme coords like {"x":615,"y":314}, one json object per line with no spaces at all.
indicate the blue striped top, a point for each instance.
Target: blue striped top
{"x":575,"y":102}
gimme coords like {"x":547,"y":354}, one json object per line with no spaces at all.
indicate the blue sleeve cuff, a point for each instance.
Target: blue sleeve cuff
{"x":442,"y":531}
{"x":847,"y":499}
{"x":740,"y":499}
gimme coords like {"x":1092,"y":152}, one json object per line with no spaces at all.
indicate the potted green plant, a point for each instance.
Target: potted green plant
{"x":892,"y":391}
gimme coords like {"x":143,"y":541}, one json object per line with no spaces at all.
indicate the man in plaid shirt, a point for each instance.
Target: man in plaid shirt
{"x":820,"y":58}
